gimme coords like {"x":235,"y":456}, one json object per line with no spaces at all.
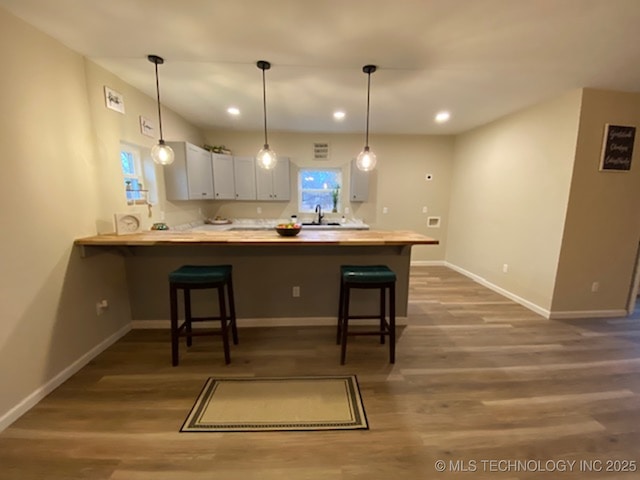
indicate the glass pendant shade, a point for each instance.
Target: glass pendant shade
{"x":267,"y":158}
{"x":366,"y":160}
{"x":162,"y":153}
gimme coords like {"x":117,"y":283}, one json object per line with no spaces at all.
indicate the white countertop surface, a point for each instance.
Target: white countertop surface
{"x":270,"y":224}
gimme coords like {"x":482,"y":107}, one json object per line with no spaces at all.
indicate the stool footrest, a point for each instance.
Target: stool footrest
{"x":207,"y":319}
{"x":199,"y":333}
{"x":364,"y":317}
{"x":350,"y":334}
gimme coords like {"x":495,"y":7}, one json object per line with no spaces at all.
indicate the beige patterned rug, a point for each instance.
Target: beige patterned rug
{"x":278,"y":404}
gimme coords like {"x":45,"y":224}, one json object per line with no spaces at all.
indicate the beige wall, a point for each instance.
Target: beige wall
{"x":509,"y":197}
{"x":398,"y":182}
{"x":602,"y":230}
{"x":60,"y":174}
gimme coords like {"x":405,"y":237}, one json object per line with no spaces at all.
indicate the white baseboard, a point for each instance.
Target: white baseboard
{"x":30,"y":401}
{"x":588,"y":314}
{"x":260,"y":322}
{"x":505,"y":293}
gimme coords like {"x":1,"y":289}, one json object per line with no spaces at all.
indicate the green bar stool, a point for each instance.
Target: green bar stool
{"x":197,"y":277}
{"x":367,"y":276}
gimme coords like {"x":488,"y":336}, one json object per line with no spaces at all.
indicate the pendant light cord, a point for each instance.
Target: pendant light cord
{"x":264,"y":105}
{"x":368,"y":97}
{"x":158,"y":94}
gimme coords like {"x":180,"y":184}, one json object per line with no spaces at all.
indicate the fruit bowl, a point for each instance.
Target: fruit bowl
{"x":288,"y":229}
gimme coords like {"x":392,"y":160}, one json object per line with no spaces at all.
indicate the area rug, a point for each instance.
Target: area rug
{"x":278,"y":404}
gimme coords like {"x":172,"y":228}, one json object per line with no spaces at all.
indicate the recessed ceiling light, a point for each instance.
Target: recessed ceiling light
{"x":442,"y":117}
{"x":339,"y":115}
{"x":233,"y":111}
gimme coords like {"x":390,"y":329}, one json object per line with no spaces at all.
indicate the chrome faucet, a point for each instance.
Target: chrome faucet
{"x":319,"y":212}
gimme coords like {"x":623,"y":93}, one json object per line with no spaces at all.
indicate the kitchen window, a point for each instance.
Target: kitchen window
{"x":319,"y":186}
{"x":138,"y":175}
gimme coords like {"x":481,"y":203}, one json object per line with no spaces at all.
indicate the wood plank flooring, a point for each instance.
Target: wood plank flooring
{"x":479,"y":381}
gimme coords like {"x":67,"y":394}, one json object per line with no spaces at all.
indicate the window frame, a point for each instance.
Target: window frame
{"x":139,"y":196}
{"x":305,"y":170}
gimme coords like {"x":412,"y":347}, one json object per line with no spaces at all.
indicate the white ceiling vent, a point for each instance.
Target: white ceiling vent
{"x":320,"y":151}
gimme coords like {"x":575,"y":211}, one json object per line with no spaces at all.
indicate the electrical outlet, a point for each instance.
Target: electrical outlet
{"x":296,"y":291}
{"x":259,"y":209}
{"x":424,"y":209}
{"x":162,"y":215}
{"x":505,"y":268}
{"x":595,"y":286}
{"x":346,"y":210}
{"x":385,"y":210}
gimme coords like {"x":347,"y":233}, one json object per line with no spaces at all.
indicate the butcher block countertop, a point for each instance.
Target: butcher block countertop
{"x":261,"y":237}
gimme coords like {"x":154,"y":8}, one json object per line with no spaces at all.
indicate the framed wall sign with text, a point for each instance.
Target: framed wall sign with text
{"x":617,"y":147}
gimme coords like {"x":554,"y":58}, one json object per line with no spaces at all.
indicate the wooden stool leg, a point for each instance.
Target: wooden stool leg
{"x":232,"y":310}
{"x":345,"y":325}
{"x":392,"y":323}
{"x":383,"y":313}
{"x":173,"y":300}
{"x":340,"y":316}
{"x":187,"y":315}
{"x":223,"y":321}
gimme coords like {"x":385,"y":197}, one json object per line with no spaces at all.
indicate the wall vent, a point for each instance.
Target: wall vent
{"x":320,"y":151}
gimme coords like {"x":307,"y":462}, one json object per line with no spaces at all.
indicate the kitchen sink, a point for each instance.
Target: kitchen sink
{"x":334,"y":224}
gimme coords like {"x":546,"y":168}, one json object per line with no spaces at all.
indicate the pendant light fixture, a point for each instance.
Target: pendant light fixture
{"x":366,"y":160}
{"x":161,"y":153}
{"x":266,"y":157}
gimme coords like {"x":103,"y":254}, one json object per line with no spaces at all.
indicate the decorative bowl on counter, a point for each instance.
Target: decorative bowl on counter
{"x":288,"y":229}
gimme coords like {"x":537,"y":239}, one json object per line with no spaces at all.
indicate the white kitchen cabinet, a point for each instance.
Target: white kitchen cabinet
{"x":190,"y":176}
{"x":274,"y":184}
{"x":358,"y":184}
{"x":244,"y":172}
{"x":223,"y":177}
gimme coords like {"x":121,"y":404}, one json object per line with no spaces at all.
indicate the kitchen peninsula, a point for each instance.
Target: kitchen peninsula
{"x":266,"y":267}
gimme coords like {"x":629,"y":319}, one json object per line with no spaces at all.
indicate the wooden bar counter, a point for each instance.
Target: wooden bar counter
{"x":266,"y":267}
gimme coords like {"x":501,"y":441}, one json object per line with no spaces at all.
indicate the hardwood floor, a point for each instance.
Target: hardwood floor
{"x":478,"y":381}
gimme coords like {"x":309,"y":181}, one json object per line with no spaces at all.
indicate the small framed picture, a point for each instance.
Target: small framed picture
{"x":617,"y":148}
{"x":113,"y":100}
{"x":146,"y":127}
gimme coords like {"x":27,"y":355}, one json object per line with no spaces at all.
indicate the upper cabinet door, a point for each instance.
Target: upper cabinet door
{"x":359,"y":184}
{"x":190,"y":176}
{"x":199,"y":173}
{"x":281,"y":180}
{"x":223,"y":177}
{"x":264,"y":183}
{"x":274,"y":184}
{"x":245,"y":178}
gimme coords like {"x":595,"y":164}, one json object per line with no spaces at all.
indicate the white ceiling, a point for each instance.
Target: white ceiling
{"x":479,"y":59}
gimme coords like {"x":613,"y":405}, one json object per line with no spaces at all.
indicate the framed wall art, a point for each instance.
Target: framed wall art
{"x":617,"y":148}
{"x":113,"y":100}
{"x":146,"y":127}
